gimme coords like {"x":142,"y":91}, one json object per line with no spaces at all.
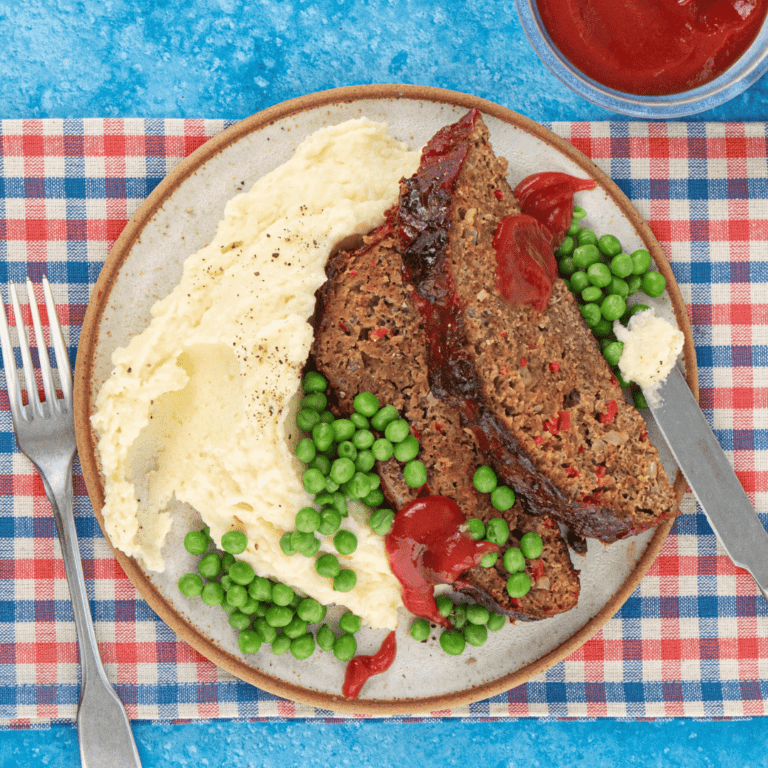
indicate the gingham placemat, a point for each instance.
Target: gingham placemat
{"x":693,"y":638}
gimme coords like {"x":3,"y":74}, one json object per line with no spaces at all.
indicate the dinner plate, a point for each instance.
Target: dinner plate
{"x":178,"y":218}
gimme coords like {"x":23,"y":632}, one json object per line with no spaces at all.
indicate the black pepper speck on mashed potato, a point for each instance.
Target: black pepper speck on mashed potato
{"x":207,"y":388}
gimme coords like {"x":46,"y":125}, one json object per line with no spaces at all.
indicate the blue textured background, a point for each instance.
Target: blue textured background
{"x":230,"y":58}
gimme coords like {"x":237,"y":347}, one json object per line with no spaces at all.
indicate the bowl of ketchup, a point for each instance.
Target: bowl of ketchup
{"x":651,"y":58}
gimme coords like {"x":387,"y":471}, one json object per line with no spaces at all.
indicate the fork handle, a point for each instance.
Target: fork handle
{"x":103,"y":728}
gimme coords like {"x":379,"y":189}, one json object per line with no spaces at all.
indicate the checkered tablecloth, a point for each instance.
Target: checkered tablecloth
{"x":693,"y":638}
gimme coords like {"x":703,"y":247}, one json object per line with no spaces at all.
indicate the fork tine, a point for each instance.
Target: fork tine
{"x":42,"y":348}
{"x":9,"y":363}
{"x":26,"y":358}
{"x":57,"y":339}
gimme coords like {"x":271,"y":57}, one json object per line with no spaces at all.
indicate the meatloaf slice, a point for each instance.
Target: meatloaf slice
{"x":533,"y":387}
{"x":369,"y":337}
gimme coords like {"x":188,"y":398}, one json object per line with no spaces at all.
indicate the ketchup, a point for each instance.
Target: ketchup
{"x":652,"y":47}
{"x":361,"y":668}
{"x":427,"y":546}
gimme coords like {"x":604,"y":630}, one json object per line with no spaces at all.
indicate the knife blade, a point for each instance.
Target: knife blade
{"x":711,"y":477}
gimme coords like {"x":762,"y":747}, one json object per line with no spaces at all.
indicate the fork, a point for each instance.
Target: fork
{"x":45,"y":433}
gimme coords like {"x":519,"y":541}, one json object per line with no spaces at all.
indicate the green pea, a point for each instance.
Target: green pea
{"x":518,"y":584}
{"x":452,"y":642}
{"x":250,"y":607}
{"x":477,"y":614}
{"x":586,"y":237}
{"x":190,"y":585}
{"x":260,"y":589}
{"x":497,"y":531}
{"x":196,"y":542}
{"x":407,"y":449}
{"x":458,"y":617}
{"x":307,"y":520}
{"x":346,"y":450}
{"x":374,"y":499}
{"x":363,"y":439}
{"x":345,"y":647}
{"x":634,"y":284}
{"x":633,"y":310}
{"x":476,"y":528}
{"x":618,"y":287}
{"x":306,"y":450}
{"x":579,"y":281}
{"x":381,"y":521}
{"x":366,"y":403}
{"x":322,"y":434}
{"x":489,"y":560}
{"x":242,"y":573}
{"x":578,"y":212}
{"x":592,"y":294}
{"x":237,"y":595}
{"x":282,"y":594}
{"x":343,"y":429}
{"x":531,"y":545}
{"x":323,"y":463}
{"x":444,"y":605}
{"x":503,"y":498}
{"x":621,"y":265}
{"x":475,"y":634}
{"x":307,"y":419}
{"x":396,"y":431}
{"x":266,"y":632}
{"x":345,"y":581}
{"x":315,"y":401}
{"x":311,"y":611}
{"x":415,"y":474}
{"x":566,"y":247}
{"x":302,"y":647}
{"x":385,"y":416}
{"x":638,"y":398}
{"x":496,"y":621}
{"x":613,"y":307}
{"x":280,"y":645}
{"x":212,"y":593}
{"x":226,"y":581}
{"x":343,"y":470}
{"x":339,"y":503}
{"x":286,"y":544}
{"x":278,"y":615}
{"x":306,"y":544}
{"x":359,"y":421}
{"x":350,"y":622}
{"x":365,"y":460}
{"x":314,"y":382}
{"x":591,"y":314}
{"x":226,"y":607}
{"x":641,"y":261}
{"x":612,"y":353}
{"x":326,"y":417}
{"x":330,"y":520}
{"x":327,"y":566}
{"x":248,"y":641}
{"x":325,"y":638}
{"x":209,"y":566}
{"x":599,"y":275}
{"x":573,"y":230}
{"x":567,"y":266}
{"x":345,"y":542}
{"x":603,"y":328}
{"x":514,"y":560}
{"x":296,"y":627}
{"x":654,"y":284}
{"x":586,"y":255}
{"x":622,"y":382}
{"x":239,"y":620}
{"x":382,"y":449}
{"x":359,"y":486}
{"x":609,"y":245}
{"x":420,"y":630}
{"x":313,"y":480}
{"x":484,"y":479}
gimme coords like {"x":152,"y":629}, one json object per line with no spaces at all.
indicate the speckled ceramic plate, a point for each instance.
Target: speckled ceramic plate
{"x":177,"y":219}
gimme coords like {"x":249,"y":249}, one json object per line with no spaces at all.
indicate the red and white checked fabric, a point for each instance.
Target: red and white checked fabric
{"x":693,"y":638}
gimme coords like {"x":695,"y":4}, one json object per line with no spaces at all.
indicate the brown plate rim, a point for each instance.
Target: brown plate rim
{"x":86,"y":440}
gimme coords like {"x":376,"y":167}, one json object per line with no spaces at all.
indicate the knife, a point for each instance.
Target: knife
{"x":711,"y":477}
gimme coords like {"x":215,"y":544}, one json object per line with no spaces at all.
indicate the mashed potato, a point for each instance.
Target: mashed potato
{"x":206,"y":390}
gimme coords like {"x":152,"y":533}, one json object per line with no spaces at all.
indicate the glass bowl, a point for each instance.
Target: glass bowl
{"x":736,"y":79}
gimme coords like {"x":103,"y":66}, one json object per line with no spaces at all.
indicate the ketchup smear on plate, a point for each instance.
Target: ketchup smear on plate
{"x":652,"y":47}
